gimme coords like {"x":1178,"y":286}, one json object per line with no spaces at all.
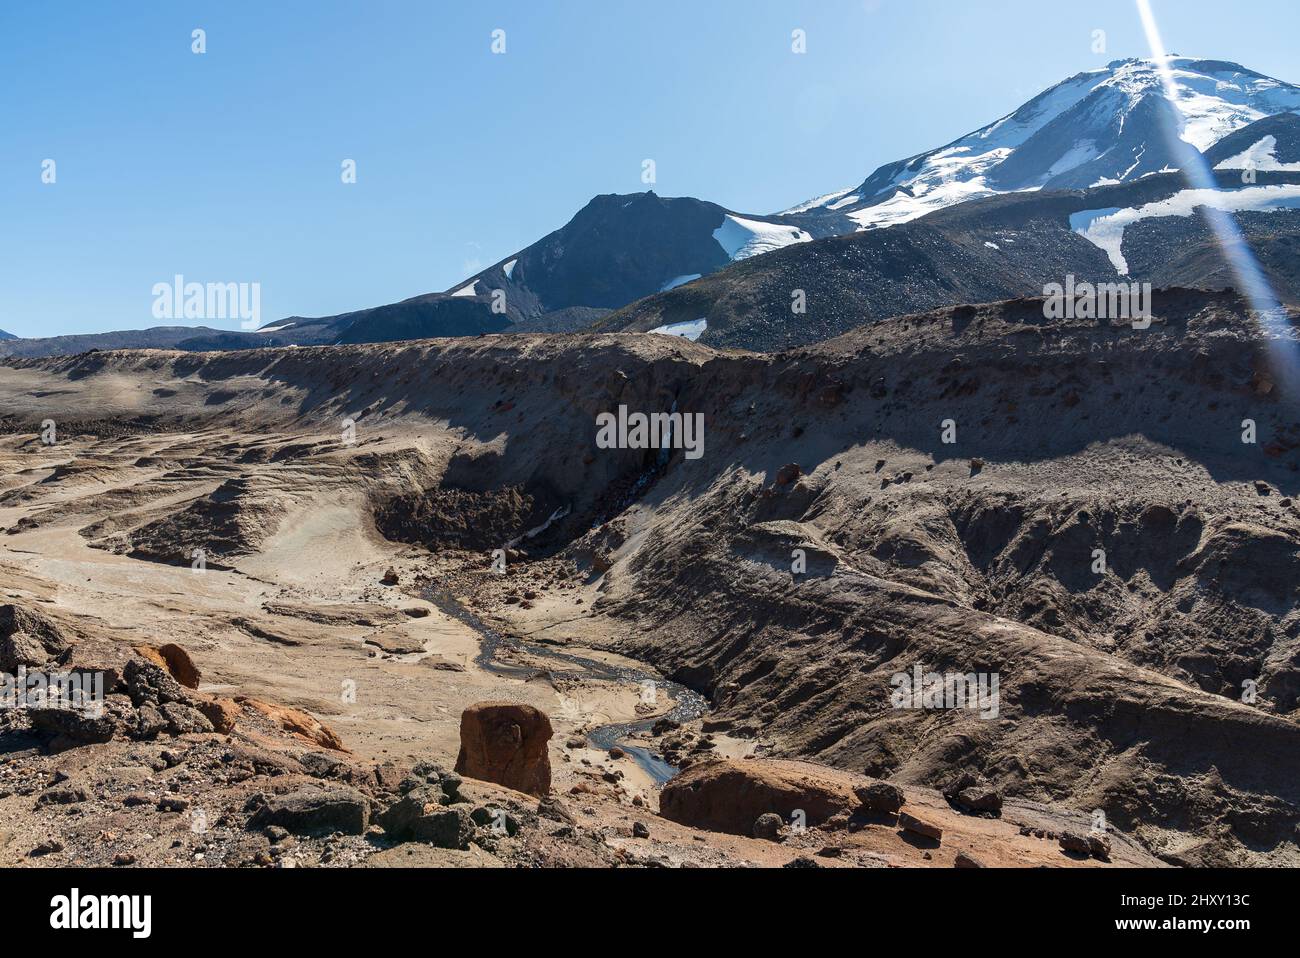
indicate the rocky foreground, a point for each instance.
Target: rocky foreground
{"x":166,"y":774}
{"x":262,"y":550}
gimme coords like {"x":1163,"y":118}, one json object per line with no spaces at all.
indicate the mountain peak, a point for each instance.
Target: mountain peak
{"x":1104,"y":126}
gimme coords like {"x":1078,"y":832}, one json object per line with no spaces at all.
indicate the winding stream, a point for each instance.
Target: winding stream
{"x":689,"y":705}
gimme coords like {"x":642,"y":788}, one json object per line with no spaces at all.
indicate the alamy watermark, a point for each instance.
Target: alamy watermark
{"x":1130,"y":301}
{"x":76,"y":691}
{"x":658,"y":430}
{"x":181,"y":300}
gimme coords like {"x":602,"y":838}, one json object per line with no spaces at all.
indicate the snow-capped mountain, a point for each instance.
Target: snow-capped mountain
{"x":1102,"y":127}
{"x":997,"y":247}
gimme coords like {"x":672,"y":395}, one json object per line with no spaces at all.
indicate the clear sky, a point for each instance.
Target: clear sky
{"x":225,"y":166}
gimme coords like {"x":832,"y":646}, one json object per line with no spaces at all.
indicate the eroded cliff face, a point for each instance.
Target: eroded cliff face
{"x":1068,"y":506}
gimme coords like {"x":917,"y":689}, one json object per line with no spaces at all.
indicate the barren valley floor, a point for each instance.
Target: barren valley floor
{"x":330,"y":494}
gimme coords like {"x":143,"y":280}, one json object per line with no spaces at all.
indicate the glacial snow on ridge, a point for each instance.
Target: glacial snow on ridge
{"x":741,"y":238}
{"x":1105,"y":228}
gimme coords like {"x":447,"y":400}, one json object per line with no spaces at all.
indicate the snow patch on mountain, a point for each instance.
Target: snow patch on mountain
{"x":509,"y":269}
{"x":679,"y":281}
{"x":692,"y":330}
{"x":470,"y":290}
{"x":1105,"y":228}
{"x":1262,"y":156}
{"x":741,"y":238}
{"x":817,"y":201}
{"x":1082,"y":152}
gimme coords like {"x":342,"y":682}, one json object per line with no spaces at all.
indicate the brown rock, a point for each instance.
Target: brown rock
{"x":1073,"y":842}
{"x":395,"y":642}
{"x":769,"y":827}
{"x":726,"y":795}
{"x":967,"y":861}
{"x":911,"y":823}
{"x":880,"y":797}
{"x":981,"y":799}
{"x":788,"y":474}
{"x":29,"y":638}
{"x":505,"y":743}
{"x":389,"y":775}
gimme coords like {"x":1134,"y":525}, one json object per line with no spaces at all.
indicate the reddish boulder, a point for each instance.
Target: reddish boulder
{"x":788,"y":474}
{"x":725,"y":795}
{"x":918,"y":826}
{"x":506,"y":743}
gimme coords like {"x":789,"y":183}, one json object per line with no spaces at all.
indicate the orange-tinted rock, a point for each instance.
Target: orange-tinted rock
{"x":729,"y":796}
{"x":506,"y":743}
{"x":296,"y":722}
{"x":222,"y":713}
{"x":175,"y":660}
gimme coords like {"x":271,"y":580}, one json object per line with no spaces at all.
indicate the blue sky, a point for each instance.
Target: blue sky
{"x":225,"y":167}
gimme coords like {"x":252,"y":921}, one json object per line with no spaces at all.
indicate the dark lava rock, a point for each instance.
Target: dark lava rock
{"x":980,"y":798}
{"x":880,"y":797}
{"x":29,"y":638}
{"x":768,"y":826}
{"x":1074,"y":842}
{"x":420,"y":816}
{"x":315,"y":811}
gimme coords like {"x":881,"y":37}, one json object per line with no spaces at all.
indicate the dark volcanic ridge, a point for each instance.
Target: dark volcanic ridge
{"x":981,"y":251}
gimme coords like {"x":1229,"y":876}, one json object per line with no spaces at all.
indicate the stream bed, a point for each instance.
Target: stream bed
{"x":688,"y":705}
